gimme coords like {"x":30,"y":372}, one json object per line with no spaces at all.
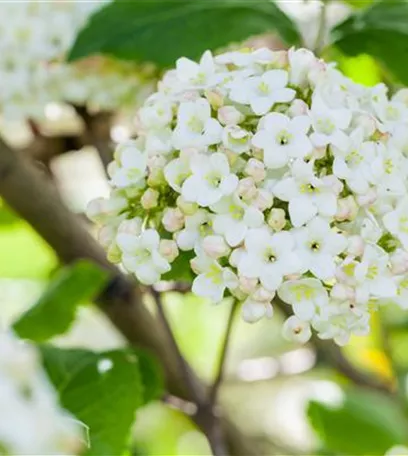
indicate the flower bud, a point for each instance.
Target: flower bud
{"x":114,"y":254}
{"x":277,"y":219}
{"x":132,"y":226}
{"x":106,"y":235}
{"x":247,"y":189}
{"x":253,"y":311}
{"x":215,"y":246}
{"x":185,"y":207}
{"x":236,"y":139}
{"x":247,"y":285}
{"x":101,"y":210}
{"x":333,"y":183}
{"x":173,"y":220}
{"x":256,"y":170}
{"x":368,"y":199}
{"x":355,"y":246}
{"x":298,"y":108}
{"x":228,"y":115}
{"x":149,"y":199}
{"x":347,"y":209}
{"x":262,"y":294}
{"x":399,"y":262}
{"x":264,"y":200}
{"x":156,"y":177}
{"x":215,"y":98}
{"x":168,"y":249}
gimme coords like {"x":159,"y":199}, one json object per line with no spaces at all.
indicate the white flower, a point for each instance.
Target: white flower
{"x":215,"y":246}
{"x":277,"y":219}
{"x":173,"y":219}
{"x":236,"y":139}
{"x":195,"y":126}
{"x":255,"y":169}
{"x":132,"y":162}
{"x":197,"y":75}
{"x":301,"y":62}
{"x":396,"y":222}
{"x":353,"y":161}
{"x":157,"y":113}
{"x":142,"y":257}
{"x":317,"y":246}
{"x":197,"y":226}
{"x":233,"y":219}
{"x":262,"y":92}
{"x":305,"y":296}
{"x":168,"y":249}
{"x":229,"y":115}
{"x":373,"y":276}
{"x":296,"y":330}
{"x":268,"y":257}
{"x":399,"y":262}
{"x":212,"y":279}
{"x":282,"y":138}
{"x":328,"y":124}
{"x":211,"y":179}
{"x":308,"y":195}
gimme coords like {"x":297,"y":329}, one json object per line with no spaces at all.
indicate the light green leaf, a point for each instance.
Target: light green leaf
{"x":103,"y":390}
{"x":381,"y":31}
{"x":366,"y":423}
{"x":161,"y":31}
{"x":55,"y":311}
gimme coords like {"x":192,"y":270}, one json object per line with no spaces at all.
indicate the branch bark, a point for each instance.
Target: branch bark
{"x":35,"y":199}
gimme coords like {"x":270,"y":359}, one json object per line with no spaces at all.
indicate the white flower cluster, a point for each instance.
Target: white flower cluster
{"x":31,"y":421}
{"x":34,"y":40}
{"x":277,"y":176}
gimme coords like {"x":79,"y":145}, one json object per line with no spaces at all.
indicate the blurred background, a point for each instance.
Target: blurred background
{"x":287,"y":398}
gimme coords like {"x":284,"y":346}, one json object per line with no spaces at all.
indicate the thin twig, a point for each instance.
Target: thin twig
{"x":224,"y":349}
{"x":321,"y":31}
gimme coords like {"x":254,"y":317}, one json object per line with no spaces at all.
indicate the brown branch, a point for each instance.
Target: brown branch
{"x":35,"y":199}
{"x":224,"y":349}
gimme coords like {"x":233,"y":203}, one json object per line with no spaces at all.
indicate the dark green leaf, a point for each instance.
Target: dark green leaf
{"x":152,"y":376}
{"x":366,"y":423}
{"x":381,"y":31}
{"x":180,"y":268}
{"x":55,"y":310}
{"x":103,"y":390}
{"x":163,"y":30}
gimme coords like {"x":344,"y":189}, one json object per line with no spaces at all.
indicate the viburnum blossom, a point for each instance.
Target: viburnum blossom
{"x":31,"y":420}
{"x":36,"y":37}
{"x":281,"y":179}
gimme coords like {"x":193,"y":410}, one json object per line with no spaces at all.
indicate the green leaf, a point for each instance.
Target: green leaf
{"x":381,"y":31}
{"x":365,"y":423}
{"x":161,"y":31}
{"x":55,"y":311}
{"x":152,"y":376}
{"x":103,"y":390}
{"x":180,"y":268}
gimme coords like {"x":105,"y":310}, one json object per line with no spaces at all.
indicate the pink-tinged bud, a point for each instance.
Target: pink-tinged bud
{"x":262,"y":294}
{"x":264,"y":200}
{"x":255,"y":169}
{"x":368,"y":199}
{"x":399,"y":262}
{"x":173,"y":220}
{"x":215,"y":246}
{"x":317,"y":71}
{"x":229,"y":115}
{"x":247,"y":188}
{"x":355,"y":246}
{"x":149,"y":199}
{"x":298,"y":108}
{"x":257,"y":153}
{"x":191,"y":95}
{"x":101,"y":209}
{"x":168,"y":249}
{"x":342,"y":292}
{"x":333,"y":183}
{"x":185,"y":207}
{"x":131,"y":226}
{"x":368,"y":123}
{"x":156,"y":161}
{"x":277,"y":219}
{"x":401,"y":96}
{"x":215,"y":98}
{"x":319,"y":152}
{"x":280,"y":59}
{"x":247,"y":285}
{"x":347,"y":209}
